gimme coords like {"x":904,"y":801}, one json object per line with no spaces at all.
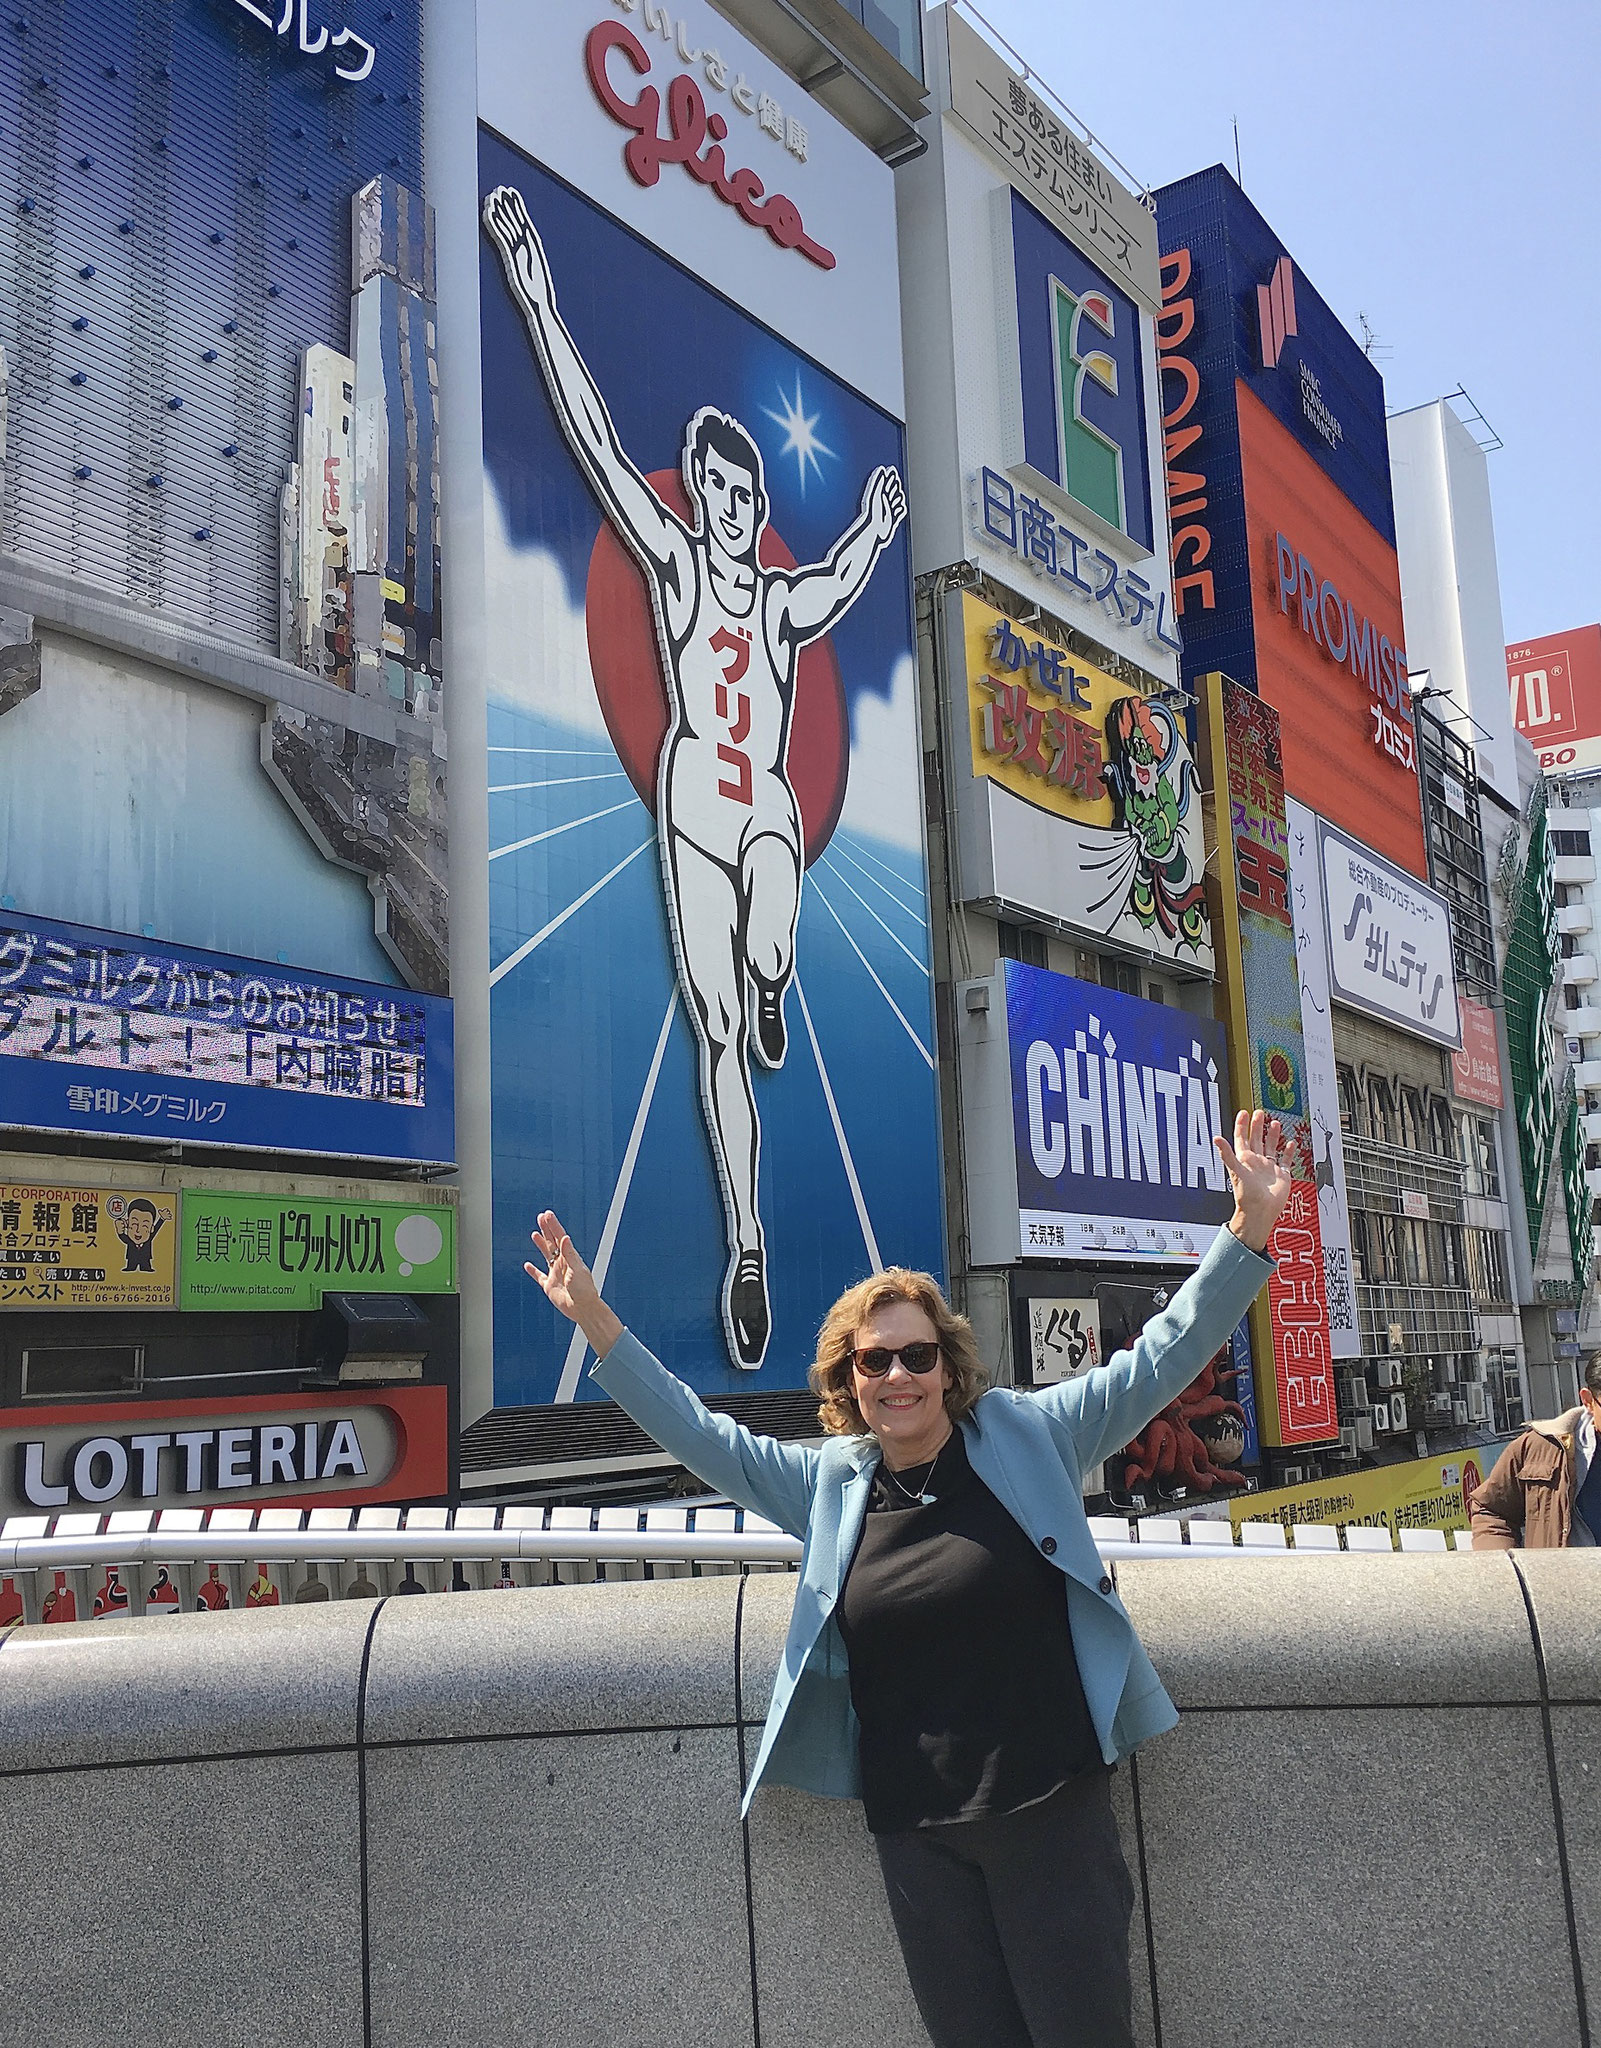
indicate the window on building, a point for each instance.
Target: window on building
{"x":1018,"y":942}
{"x":1476,"y":1150}
{"x":1416,"y":1135}
{"x":1572,"y":998}
{"x":81,"y":1372}
{"x":1567,"y":945}
{"x":1486,"y":1266}
{"x":1381,"y":1110}
{"x":1123,"y":975}
{"x":1350,"y":1102}
{"x":1570,"y":842}
{"x":897,"y":25}
{"x":1153,"y":992}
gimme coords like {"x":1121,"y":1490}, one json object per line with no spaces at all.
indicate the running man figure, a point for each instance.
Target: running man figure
{"x":730,"y":633}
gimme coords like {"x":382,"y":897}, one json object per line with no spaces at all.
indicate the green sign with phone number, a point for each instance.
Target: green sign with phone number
{"x":278,"y":1252}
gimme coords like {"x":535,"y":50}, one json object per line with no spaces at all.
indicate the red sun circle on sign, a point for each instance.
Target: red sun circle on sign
{"x":626,"y":662}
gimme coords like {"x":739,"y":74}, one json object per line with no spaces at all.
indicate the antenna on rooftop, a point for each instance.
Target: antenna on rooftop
{"x":1239,"y":175}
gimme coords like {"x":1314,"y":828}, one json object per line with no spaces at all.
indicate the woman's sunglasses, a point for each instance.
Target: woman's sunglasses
{"x":915,"y":1357}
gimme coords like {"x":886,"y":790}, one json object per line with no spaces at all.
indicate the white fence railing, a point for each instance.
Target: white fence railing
{"x":173,"y":1559}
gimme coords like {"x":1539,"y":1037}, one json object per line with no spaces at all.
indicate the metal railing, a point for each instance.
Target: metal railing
{"x":153,"y":1561}
{"x":1378,"y":1177}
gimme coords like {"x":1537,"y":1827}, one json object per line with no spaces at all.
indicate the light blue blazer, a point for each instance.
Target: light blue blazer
{"x":1029,"y":1449}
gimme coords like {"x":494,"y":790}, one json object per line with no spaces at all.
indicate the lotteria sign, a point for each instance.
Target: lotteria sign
{"x":359,"y":1447}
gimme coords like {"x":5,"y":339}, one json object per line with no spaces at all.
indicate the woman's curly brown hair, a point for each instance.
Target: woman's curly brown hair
{"x":833,"y":1376}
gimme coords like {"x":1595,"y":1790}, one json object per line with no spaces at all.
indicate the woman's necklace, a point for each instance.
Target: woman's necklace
{"x":925,"y":1499}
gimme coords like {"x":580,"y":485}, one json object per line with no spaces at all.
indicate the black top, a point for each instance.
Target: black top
{"x":962,"y":1670}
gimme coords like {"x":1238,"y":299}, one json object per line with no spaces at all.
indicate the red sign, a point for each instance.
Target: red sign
{"x":1476,"y":1069}
{"x":1330,"y":646}
{"x":1303,"y":1369}
{"x":285,"y":1450}
{"x":1555,"y":687}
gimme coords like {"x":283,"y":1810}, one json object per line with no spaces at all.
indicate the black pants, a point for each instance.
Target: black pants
{"x":1015,"y":1926}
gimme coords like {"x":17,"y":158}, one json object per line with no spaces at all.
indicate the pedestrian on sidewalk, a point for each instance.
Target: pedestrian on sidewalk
{"x":957,"y":1656}
{"x":1544,"y":1491}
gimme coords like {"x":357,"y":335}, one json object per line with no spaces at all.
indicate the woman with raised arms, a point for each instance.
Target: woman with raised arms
{"x":958,"y":1658}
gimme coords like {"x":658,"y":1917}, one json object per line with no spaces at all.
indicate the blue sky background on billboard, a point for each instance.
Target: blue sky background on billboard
{"x":1430,"y":166}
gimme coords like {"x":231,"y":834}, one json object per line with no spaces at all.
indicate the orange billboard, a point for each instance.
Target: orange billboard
{"x":1330,"y":647}
{"x":1555,"y":686}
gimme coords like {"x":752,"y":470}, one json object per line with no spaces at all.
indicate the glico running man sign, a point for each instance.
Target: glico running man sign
{"x":710,"y":976}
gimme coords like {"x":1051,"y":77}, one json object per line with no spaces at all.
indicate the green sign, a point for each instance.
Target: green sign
{"x":276,"y":1251}
{"x":1531,"y":969}
{"x":1576,"y":1188}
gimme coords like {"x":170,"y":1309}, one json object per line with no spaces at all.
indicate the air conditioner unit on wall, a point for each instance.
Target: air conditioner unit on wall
{"x":1389,"y":1372}
{"x":1459,"y":1414}
{"x":1364,"y":1432}
{"x":1478,"y":1403}
{"x":1348,"y":1441}
{"x":1358,"y":1394}
{"x":1293,"y":1475}
{"x":1381,"y":1417}
{"x":1440,"y":1404}
{"x":1398,"y":1411}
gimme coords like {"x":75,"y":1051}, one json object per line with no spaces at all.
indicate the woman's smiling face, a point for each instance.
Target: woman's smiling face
{"x":904,"y":1410}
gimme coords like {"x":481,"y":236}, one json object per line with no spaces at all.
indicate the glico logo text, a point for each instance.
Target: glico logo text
{"x":694,"y":139}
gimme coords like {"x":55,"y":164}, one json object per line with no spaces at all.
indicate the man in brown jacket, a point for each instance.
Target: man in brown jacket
{"x":1544,"y":1492}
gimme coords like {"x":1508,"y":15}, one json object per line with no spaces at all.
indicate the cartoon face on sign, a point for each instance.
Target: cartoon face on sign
{"x":1152,"y":780}
{"x":709,"y":649}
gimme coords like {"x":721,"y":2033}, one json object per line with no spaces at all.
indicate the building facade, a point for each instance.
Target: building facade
{"x":226,"y":1071}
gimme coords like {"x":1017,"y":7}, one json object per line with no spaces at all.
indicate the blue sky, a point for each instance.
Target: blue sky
{"x":1433,"y":166}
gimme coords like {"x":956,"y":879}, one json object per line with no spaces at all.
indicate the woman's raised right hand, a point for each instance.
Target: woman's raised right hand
{"x":569,"y":1286}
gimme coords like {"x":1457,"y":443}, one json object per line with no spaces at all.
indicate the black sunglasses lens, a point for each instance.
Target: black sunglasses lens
{"x":917,"y":1358}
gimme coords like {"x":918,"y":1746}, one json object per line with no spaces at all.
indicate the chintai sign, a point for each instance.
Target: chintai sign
{"x":1114,"y":1106}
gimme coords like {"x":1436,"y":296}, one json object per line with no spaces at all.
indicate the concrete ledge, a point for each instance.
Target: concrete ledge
{"x":1344,"y":1630}
{"x":644,"y":1654}
{"x":186,"y":1685}
{"x":515,"y":1818}
{"x":1563,"y":1588}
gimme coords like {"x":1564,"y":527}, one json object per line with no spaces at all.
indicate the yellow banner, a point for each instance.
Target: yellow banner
{"x":1038,"y":717}
{"x":87,"y":1248}
{"x":1424,"y":1493}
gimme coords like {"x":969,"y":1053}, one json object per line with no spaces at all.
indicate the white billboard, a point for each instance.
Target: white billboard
{"x":1389,"y":941}
{"x":1322,"y":1082}
{"x":1029,"y":277}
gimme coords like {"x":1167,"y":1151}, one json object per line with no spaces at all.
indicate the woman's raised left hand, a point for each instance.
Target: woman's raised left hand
{"x":1260,"y":1174}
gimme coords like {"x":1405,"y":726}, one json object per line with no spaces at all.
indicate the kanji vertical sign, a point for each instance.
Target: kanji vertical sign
{"x":1254,"y":929}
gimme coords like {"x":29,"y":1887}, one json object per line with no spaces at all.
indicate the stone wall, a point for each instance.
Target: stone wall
{"x":513,"y":1818}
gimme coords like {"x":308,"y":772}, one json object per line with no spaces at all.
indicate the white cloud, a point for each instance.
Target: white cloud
{"x":884,"y":798}
{"x":537,"y":644}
